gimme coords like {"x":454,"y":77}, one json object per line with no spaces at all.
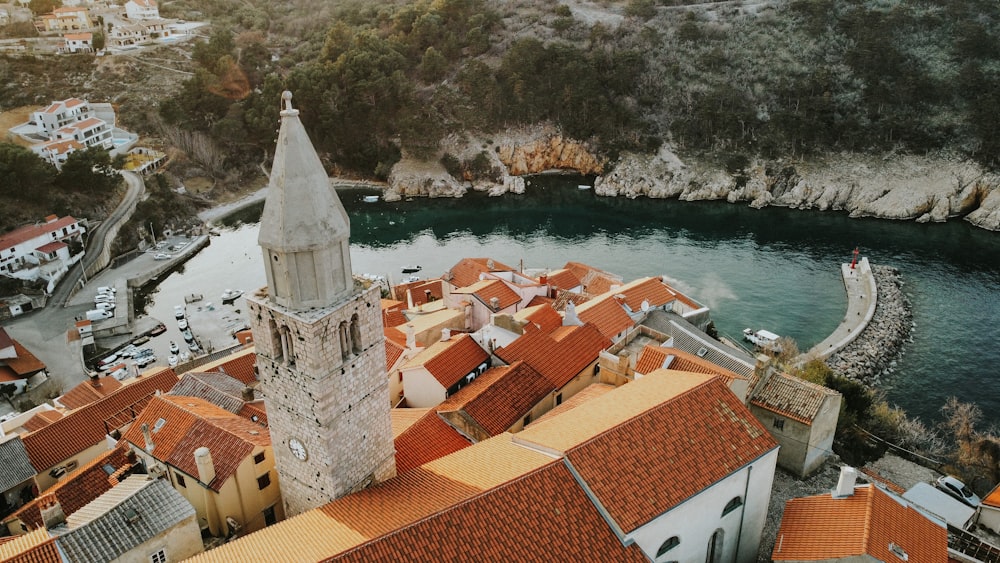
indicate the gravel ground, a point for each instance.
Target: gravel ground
{"x":898,"y":470}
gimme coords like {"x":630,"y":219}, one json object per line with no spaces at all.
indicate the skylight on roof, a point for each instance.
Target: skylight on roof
{"x":159,"y":424}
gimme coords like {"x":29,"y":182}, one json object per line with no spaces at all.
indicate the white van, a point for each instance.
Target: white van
{"x":106,"y":289}
{"x":99,"y":315}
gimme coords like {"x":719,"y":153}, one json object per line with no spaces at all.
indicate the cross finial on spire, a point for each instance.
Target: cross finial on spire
{"x":286,"y":98}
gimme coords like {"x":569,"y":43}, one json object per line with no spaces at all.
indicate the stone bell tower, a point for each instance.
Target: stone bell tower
{"x":318,"y":335}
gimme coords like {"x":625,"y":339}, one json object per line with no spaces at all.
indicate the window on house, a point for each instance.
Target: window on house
{"x":158,"y":557}
{"x":264,"y":481}
{"x":558,"y":399}
{"x":259,"y":458}
{"x":269,"y":516}
{"x":732,"y":505}
{"x":898,"y":552}
{"x":671,"y":543}
{"x":779,"y":423}
{"x":180,"y":480}
{"x":714,"y":554}
{"x":527,"y":419}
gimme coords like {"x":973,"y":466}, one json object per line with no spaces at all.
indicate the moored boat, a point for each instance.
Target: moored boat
{"x":230,"y":295}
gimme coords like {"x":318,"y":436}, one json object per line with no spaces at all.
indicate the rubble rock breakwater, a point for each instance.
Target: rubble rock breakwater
{"x":874,"y":353}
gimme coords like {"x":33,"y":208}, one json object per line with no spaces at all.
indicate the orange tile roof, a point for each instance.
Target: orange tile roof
{"x":254,"y":413}
{"x":792,"y":397}
{"x":393,"y":352}
{"x":87,"y":392}
{"x":240,"y":366}
{"x":659,"y":427}
{"x":395,"y":335}
{"x":651,"y":358}
{"x":467,"y":271}
{"x":563,"y":279}
{"x":354,"y":520}
{"x":487,"y":290}
{"x":655,"y":357}
{"x":41,"y":420}
{"x":451,"y":360}
{"x":542,"y":316}
{"x":500,"y":397}
{"x":191,"y":423}
{"x":541,"y":300}
{"x":649,"y":290}
{"x":79,"y":36}
{"x":418,"y":291}
{"x":876,"y":477}
{"x":606,"y":314}
{"x":63,"y":146}
{"x":542,"y":516}
{"x":427,"y":439}
{"x":558,"y":360}
{"x":85,"y":426}
{"x":393,"y":317}
{"x":993,"y":498}
{"x":403,"y":418}
{"x":87,"y":123}
{"x":824,"y":528}
{"x":5,"y":340}
{"x":85,"y":484}
{"x":589,"y":393}
{"x":36,"y":547}
{"x":25,"y":364}
{"x":29,"y":232}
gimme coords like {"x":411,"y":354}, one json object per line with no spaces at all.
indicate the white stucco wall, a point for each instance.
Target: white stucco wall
{"x":696,"y":520}
{"x":421,"y":389}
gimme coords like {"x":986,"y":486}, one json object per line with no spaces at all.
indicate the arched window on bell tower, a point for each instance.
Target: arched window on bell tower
{"x":355,"y":336}
{"x":345,"y":341}
{"x":278,"y":349}
{"x":287,"y":344}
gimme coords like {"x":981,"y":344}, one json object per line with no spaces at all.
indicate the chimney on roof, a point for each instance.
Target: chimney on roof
{"x":543,"y":279}
{"x":495,"y":303}
{"x":409,"y":299}
{"x":247,"y":394}
{"x":427,"y":296}
{"x":95,"y":379}
{"x":51,"y":511}
{"x":570,"y":318}
{"x":845,"y":485}
{"x":445,"y":334}
{"x":206,"y":469}
{"x":411,"y":337}
{"x":148,"y":437}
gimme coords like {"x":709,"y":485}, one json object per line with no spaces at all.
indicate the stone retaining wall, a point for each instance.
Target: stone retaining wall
{"x":874,"y":353}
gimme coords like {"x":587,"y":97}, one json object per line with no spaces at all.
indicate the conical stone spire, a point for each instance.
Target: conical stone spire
{"x":304,"y":229}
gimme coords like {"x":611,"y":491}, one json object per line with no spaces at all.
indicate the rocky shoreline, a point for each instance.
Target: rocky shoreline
{"x":873,"y":355}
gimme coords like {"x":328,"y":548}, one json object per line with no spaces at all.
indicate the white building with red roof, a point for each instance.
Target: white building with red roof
{"x":142,"y":10}
{"x":40,"y":250}
{"x":442,"y":369}
{"x":78,"y":42}
{"x":69,"y":125}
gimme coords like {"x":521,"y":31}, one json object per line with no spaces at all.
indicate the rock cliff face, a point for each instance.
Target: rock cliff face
{"x":928,"y":188}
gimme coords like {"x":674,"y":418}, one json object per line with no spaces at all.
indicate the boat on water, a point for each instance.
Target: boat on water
{"x":230,"y":295}
{"x":582,"y":187}
{"x":193,"y":297}
{"x":370,"y":198}
{"x":412,"y":269}
{"x":763,"y":339}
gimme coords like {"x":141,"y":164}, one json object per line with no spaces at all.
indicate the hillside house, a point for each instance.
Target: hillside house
{"x":142,"y":10}
{"x":19,"y":368}
{"x":40,"y":250}
{"x":78,"y":43}
{"x":66,"y":18}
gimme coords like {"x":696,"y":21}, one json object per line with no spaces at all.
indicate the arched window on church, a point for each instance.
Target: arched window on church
{"x":276,"y":346}
{"x":355,"y":336}
{"x":287,"y":344}
{"x":345,"y":341}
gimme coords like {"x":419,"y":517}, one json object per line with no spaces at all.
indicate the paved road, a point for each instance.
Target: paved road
{"x":46,"y":331}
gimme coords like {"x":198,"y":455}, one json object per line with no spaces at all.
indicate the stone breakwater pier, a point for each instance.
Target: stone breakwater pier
{"x":873,"y":354}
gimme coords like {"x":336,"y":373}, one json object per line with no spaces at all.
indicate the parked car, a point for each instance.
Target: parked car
{"x":161,"y":256}
{"x":959,"y":490}
{"x":106,"y":289}
{"x":104,"y":306}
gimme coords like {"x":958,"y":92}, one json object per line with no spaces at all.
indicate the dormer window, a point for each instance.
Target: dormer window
{"x":898,"y":551}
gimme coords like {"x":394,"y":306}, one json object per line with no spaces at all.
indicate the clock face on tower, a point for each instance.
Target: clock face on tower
{"x":298,"y":449}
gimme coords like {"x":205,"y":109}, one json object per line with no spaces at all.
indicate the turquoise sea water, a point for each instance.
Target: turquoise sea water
{"x":772,"y":268}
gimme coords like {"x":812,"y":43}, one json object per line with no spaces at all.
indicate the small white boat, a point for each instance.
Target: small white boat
{"x":582,"y":187}
{"x":182,"y":324}
{"x":172,"y":361}
{"x":173,"y":347}
{"x":370,"y":198}
{"x":412,"y":269}
{"x":763,"y":339}
{"x":193,"y":346}
{"x":230,"y":295}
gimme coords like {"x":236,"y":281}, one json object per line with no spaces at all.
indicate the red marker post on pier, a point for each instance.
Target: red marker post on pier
{"x":855,"y":259}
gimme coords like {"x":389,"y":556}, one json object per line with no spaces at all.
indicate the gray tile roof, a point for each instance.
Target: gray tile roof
{"x":128,"y":515}
{"x":687,"y":337}
{"x":15,"y":467}
{"x":217,"y":388}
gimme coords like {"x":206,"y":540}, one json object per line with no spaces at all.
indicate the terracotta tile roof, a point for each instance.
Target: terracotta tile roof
{"x":371,"y":513}
{"x":660,"y":427}
{"x":240,"y":366}
{"x":555,"y":521}
{"x":427,"y":439}
{"x":87,"y":392}
{"x":486,"y":290}
{"x":87,"y":123}
{"x":418,"y":291}
{"x":63,"y":146}
{"x":395,"y":335}
{"x":542,"y":316}
{"x":85,"y":484}
{"x":5,"y":340}
{"x":29,"y":232}
{"x":451,"y":360}
{"x":993,"y":498}
{"x":500,"y":397}
{"x":674,"y":359}
{"x":824,"y":528}
{"x":25,"y":364}
{"x":563,"y":279}
{"x":393,"y":352}
{"x":875,"y":477}
{"x":389,"y":304}
{"x":649,"y":290}
{"x":393,"y":317}
{"x":541,"y":300}
{"x":589,"y":393}
{"x":85,"y":427}
{"x":651,"y":358}
{"x":792,"y":397}
{"x":606,"y":314}
{"x":36,"y":547}
{"x":403,"y":418}
{"x":467,"y":271}
{"x":255,"y":413}
{"x":558,"y":360}
{"x":51,"y":247}
{"x":190,"y":423}
{"x":41,"y":420}
{"x":79,"y":36}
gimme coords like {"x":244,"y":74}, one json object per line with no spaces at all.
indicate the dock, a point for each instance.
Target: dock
{"x":861,"y":301}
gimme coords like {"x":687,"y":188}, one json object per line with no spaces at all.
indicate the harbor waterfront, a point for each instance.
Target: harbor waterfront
{"x":775,"y":269}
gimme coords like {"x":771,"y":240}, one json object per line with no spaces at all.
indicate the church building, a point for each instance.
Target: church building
{"x":318,"y":335}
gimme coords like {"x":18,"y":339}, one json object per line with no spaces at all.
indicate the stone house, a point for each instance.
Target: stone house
{"x":17,"y":478}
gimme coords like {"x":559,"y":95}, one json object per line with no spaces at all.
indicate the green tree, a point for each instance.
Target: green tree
{"x":39,"y":7}
{"x":99,"y":41}
{"x":433,"y":66}
{"x":89,"y":171}
{"x":23,"y":175}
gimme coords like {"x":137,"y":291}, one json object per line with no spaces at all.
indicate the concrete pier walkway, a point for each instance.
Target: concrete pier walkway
{"x":861,"y":301}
